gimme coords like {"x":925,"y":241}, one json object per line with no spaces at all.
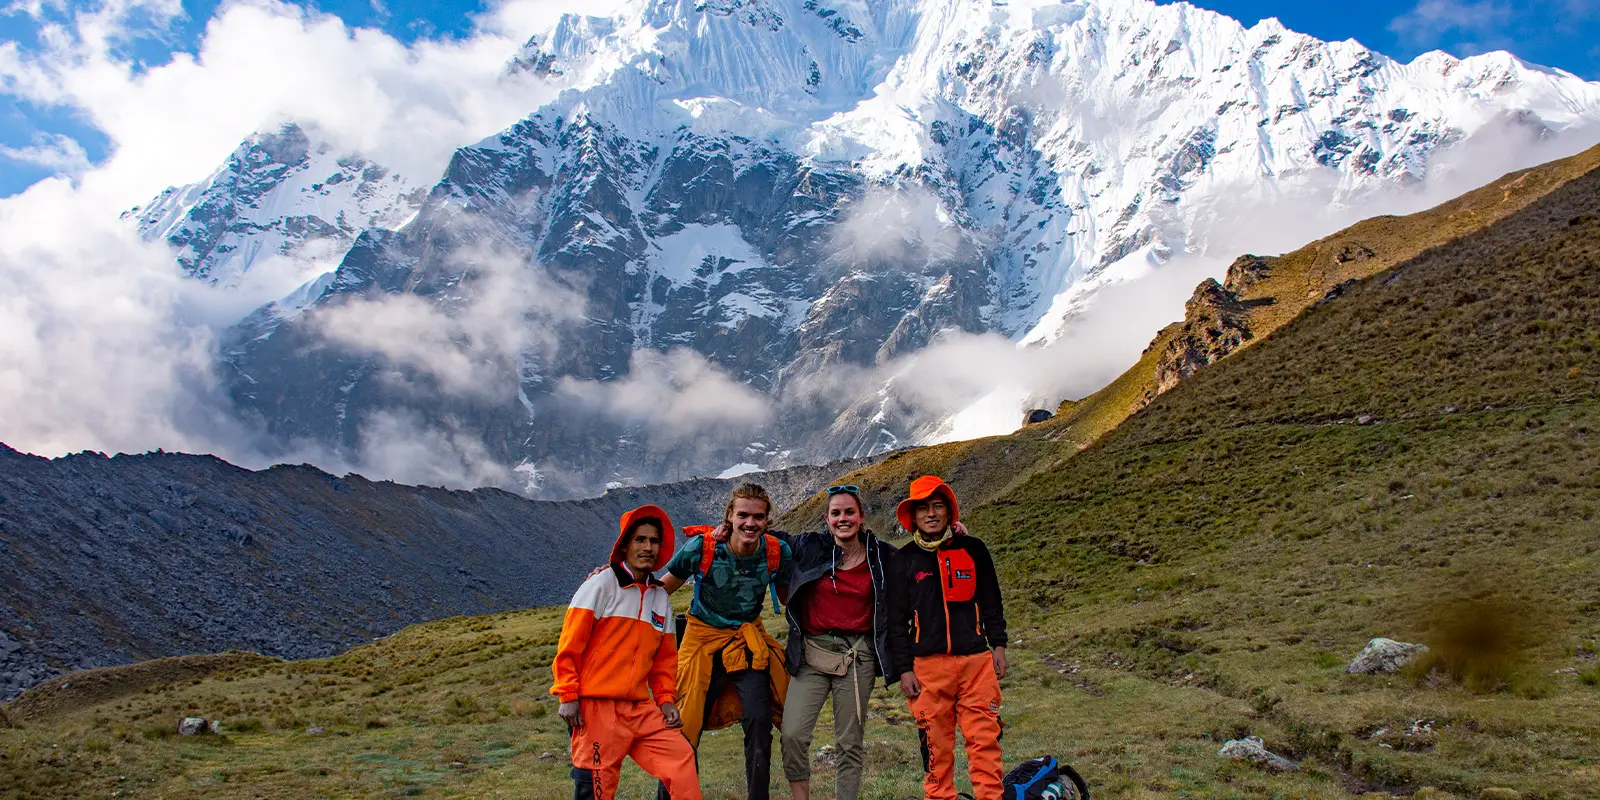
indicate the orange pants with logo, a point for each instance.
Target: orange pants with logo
{"x":958,"y":690}
{"x":614,"y":729}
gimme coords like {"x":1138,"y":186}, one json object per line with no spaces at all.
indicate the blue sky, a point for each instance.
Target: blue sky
{"x":1559,"y":33}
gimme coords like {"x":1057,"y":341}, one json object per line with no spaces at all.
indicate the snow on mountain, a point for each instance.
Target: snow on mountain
{"x":797,"y":190}
{"x":1071,"y":134}
{"x":278,"y":194}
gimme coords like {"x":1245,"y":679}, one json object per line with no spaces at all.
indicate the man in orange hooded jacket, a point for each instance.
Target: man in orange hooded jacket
{"x":947,"y":637}
{"x":615,"y":645}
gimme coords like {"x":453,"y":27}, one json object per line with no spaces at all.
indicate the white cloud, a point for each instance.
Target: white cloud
{"x":403,"y":447}
{"x":95,"y":350}
{"x":56,"y":152}
{"x":1429,"y":21}
{"x":890,"y":223}
{"x":261,"y":62}
{"x":477,"y":348}
{"x":675,"y":396}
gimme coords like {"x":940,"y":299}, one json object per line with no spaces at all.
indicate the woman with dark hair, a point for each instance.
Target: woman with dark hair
{"x":838,"y":628}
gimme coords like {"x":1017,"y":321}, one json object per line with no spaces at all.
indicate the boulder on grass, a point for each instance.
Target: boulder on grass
{"x":1252,"y":749}
{"x":194,"y":726}
{"x":1383,"y":656}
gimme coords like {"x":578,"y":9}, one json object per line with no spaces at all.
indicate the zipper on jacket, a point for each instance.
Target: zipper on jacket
{"x":633,"y":674}
{"x":949,"y":641}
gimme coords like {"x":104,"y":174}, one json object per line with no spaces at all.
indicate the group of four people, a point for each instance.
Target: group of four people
{"x":927,"y":615}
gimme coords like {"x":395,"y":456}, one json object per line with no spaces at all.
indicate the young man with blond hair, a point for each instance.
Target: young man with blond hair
{"x":729,"y":668}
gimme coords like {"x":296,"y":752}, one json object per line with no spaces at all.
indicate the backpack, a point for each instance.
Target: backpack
{"x":1044,"y":778}
{"x":708,"y":553}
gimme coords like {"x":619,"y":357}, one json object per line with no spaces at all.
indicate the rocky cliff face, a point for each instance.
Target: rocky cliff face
{"x":1216,"y":323}
{"x":109,"y":560}
{"x":795,"y":194}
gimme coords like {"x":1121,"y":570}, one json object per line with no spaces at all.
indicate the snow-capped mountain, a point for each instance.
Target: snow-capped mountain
{"x":802,"y":192}
{"x":279,"y":194}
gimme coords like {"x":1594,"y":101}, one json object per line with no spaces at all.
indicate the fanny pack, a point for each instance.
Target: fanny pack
{"x":828,"y":661}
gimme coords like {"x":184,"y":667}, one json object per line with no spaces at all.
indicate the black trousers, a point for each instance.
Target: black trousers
{"x":582,"y":784}
{"x":755,"y":695}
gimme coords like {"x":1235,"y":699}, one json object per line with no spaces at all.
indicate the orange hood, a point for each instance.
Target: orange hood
{"x":922,"y":489}
{"x":663,"y":555}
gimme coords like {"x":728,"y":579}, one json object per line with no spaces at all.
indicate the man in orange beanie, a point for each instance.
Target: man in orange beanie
{"x":947,"y":636}
{"x":615,"y":653}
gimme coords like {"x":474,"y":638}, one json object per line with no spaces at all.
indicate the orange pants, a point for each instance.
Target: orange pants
{"x":964,"y":690}
{"x":614,"y":729}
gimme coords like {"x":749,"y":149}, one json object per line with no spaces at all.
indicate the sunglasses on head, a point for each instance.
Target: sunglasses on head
{"x":848,"y":488}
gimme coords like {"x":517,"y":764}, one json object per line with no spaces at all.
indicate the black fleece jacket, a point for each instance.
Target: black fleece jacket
{"x":943,"y":602}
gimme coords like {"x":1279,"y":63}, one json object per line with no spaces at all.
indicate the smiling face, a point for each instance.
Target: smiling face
{"x":932,"y":516}
{"x":644,"y":545}
{"x":747,"y":521}
{"x":844,"y":517}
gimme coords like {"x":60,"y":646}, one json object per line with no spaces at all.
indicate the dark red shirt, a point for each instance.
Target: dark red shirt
{"x":839,"y":603}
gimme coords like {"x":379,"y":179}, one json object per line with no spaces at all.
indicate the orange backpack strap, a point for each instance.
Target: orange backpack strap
{"x":708,"y":552}
{"x":774,"y":555}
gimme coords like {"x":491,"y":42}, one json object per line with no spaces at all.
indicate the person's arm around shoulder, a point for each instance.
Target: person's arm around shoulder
{"x":991,"y":604}
{"x":785,"y":569}
{"x":684,"y":564}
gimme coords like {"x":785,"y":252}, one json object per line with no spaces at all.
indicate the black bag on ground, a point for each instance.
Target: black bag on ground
{"x":1044,"y":778}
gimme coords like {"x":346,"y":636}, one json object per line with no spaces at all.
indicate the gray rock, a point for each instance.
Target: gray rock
{"x":194,"y":726}
{"x":1383,"y":656}
{"x":1252,"y":749}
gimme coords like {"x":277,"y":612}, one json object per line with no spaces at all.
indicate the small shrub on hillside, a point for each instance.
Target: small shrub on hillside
{"x":159,"y":730}
{"x":246,"y":725}
{"x":528,"y":708}
{"x":461,"y":705}
{"x":1328,"y":660}
{"x":1590,"y":676}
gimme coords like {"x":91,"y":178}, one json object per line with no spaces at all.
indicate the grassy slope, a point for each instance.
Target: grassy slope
{"x":1201,"y":572}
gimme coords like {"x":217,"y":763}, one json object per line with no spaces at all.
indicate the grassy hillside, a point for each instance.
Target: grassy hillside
{"x":1410,"y":458}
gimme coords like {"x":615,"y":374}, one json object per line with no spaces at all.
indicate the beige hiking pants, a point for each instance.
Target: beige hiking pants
{"x":808,"y":690}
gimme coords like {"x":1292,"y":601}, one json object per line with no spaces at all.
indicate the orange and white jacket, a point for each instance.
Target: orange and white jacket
{"x":616,"y":640}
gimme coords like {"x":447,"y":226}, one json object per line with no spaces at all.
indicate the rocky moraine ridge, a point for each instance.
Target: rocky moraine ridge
{"x":106,"y":561}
